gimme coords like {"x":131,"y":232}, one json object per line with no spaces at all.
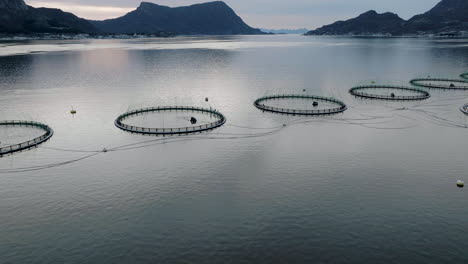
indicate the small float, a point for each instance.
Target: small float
{"x":464,"y":109}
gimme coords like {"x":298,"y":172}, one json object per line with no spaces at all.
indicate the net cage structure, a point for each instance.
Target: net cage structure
{"x":119,"y":122}
{"x":417,"y":94}
{"x":440,"y":83}
{"x":464,"y":109}
{"x":260,"y":103}
{"x":48,"y":133}
{"x":464,"y":75}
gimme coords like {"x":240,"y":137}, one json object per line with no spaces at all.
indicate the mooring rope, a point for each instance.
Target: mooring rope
{"x":365,"y":121}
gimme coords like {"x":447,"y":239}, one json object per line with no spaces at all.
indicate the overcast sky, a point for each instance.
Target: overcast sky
{"x":257,"y":13}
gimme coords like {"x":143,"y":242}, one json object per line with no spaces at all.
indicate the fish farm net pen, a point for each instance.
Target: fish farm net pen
{"x":48,"y":133}
{"x":119,"y":122}
{"x":440,"y":83}
{"x":360,"y":91}
{"x":340,"y":106}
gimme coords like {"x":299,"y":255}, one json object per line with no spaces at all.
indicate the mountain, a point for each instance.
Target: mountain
{"x":446,"y":16}
{"x":285,"y":31}
{"x":17,"y":17}
{"x":13,"y":5}
{"x":213,"y":18}
{"x":369,"y":23}
{"x":209,"y":18}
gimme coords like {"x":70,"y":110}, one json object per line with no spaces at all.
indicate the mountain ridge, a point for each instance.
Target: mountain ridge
{"x":446,"y":16}
{"x":211,"y":18}
{"x":368,"y":23}
{"x":17,"y":17}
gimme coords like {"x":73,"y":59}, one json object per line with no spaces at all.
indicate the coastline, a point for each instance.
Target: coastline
{"x":71,"y":36}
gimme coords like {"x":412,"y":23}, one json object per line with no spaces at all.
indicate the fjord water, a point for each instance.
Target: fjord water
{"x":373,"y":185}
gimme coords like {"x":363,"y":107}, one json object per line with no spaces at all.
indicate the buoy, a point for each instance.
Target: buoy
{"x":373,"y":82}
{"x":284,"y":125}
{"x":206,"y":99}
{"x":460,"y":184}
{"x":104,"y":150}
{"x":304,"y":90}
{"x":452,"y":85}
{"x":315,"y":104}
{"x":392,"y":95}
{"x":72,"y":111}
{"x":193,"y":120}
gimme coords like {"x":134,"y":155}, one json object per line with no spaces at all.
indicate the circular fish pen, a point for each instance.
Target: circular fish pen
{"x":308,"y":105}
{"x":44,"y":133}
{"x":464,"y":75}
{"x":122,"y":121}
{"x":448,"y":84}
{"x":464,"y":109}
{"x":389,"y":92}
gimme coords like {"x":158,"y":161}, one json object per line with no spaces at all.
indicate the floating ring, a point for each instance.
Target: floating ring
{"x":450,"y":83}
{"x":260,"y":104}
{"x":169,"y":131}
{"x":419,"y":94}
{"x":49,"y":132}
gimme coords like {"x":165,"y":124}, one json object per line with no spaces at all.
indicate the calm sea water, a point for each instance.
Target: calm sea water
{"x":373,"y":185}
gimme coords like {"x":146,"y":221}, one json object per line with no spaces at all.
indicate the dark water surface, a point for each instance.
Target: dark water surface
{"x":373,"y":185}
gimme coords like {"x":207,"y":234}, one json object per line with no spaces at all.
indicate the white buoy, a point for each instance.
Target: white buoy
{"x":460,"y":183}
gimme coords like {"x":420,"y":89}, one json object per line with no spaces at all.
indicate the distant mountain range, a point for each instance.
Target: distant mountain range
{"x":449,"y":17}
{"x":285,"y":31}
{"x":213,"y":18}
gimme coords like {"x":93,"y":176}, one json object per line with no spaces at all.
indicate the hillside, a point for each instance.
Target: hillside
{"x":447,"y":16}
{"x":17,"y":17}
{"x":213,"y":18}
{"x":368,"y":23}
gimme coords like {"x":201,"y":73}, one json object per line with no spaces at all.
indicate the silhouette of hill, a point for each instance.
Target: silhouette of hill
{"x":213,"y":18}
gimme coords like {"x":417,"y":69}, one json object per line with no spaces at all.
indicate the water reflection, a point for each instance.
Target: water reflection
{"x":13,"y":70}
{"x":375,"y":184}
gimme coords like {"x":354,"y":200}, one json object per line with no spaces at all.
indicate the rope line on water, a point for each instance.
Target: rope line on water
{"x":367,"y":121}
